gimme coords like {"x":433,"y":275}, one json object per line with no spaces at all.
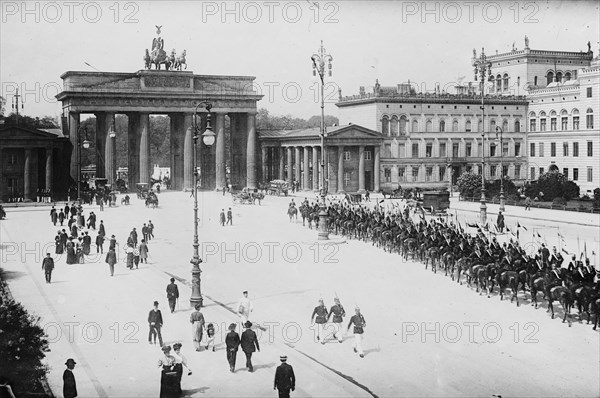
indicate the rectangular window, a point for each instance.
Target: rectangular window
{"x":565,"y":149}
{"x":415,"y":150}
{"x":553,"y":149}
{"x":504,"y":148}
{"x":346,"y":178}
{"x":589,"y":174}
{"x":492,"y":150}
{"x":402,"y":174}
{"x":504,"y":171}
{"x":589,"y":121}
{"x":541,"y":170}
{"x":429,"y":174}
{"x":401,"y":151}
{"x":442,"y":149}
{"x":387,"y":151}
{"x":553,"y":124}
{"x":531,"y":124}
{"x":428,"y":150}
{"x":517,"y":149}
{"x":468,"y":150}
{"x":541,"y":150}
{"x":542,"y":124}
{"x":517,"y":171}
{"x":575,"y":174}
{"x":566,"y":173}
{"x":532,"y":149}
{"x":387,"y":174}
{"x":590,"y":148}
{"x":478,"y":169}
{"x":442,"y":173}
{"x":532,"y":172}
{"x":479,"y":150}
{"x":346,"y":155}
{"x":367,"y":155}
{"x":415,"y":173}
{"x":589,"y":92}
{"x":492,"y":171}
{"x":563,"y":123}
{"x":575,"y":122}
{"x":455,"y":148}
{"x":575,"y":149}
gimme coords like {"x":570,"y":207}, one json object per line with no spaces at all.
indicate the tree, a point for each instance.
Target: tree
{"x":47,"y":122}
{"x":493,"y":187}
{"x":469,"y":184}
{"x":597,"y":198}
{"x":2,"y":103}
{"x":315,"y":121}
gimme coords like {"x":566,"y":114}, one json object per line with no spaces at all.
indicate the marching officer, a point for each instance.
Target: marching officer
{"x":321,"y":318}
{"x":338,"y":312}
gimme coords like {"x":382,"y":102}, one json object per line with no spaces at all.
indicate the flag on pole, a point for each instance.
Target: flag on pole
{"x":568,"y":254}
{"x":538,"y":234}
{"x":560,"y":236}
{"x":585,"y":249}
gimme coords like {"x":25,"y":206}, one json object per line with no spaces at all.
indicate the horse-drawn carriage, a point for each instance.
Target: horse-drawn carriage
{"x":277,"y":187}
{"x":151,"y":200}
{"x":393,"y":194}
{"x":142,"y":190}
{"x":247,"y":196}
{"x":436,"y":201}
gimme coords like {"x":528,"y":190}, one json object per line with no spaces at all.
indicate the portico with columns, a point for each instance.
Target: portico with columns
{"x":176,"y":94}
{"x":352,"y":158}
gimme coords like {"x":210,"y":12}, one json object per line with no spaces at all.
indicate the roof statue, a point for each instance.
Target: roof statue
{"x":158,"y":56}
{"x":526,"y":41}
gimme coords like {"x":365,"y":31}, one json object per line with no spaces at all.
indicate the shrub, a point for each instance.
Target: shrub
{"x":22,"y":348}
{"x":597,"y":198}
{"x":559,"y":202}
{"x":469,"y":184}
{"x":570,"y":190}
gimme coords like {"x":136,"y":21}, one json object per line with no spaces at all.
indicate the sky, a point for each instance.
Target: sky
{"x":426,"y":42}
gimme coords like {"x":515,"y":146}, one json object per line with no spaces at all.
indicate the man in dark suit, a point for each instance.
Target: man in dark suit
{"x":249,"y":344}
{"x":155,"y":322}
{"x":48,"y":266}
{"x":232,"y":342}
{"x":285,"y":380}
{"x":69,"y":385}
{"x":172,"y":294}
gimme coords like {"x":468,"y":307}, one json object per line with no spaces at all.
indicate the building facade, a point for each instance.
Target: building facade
{"x":563,"y":131}
{"x":430,"y":139}
{"x":33,"y":160}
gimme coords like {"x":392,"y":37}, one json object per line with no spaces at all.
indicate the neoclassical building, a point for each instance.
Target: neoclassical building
{"x":564,"y":130}
{"x":429,"y":139}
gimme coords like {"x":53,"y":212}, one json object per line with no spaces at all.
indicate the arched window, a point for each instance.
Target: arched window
{"x":498,"y":83}
{"x":402,"y":125}
{"x":549,"y":77}
{"x":468,"y":126}
{"x":517,"y":126}
{"x":385,"y":126}
{"x":454,"y":126}
{"x":505,"y":82}
{"x":442,"y":126}
{"x":559,"y":77}
{"x":394,"y":126}
{"x":492,"y":125}
{"x":505,"y":126}
{"x":415,"y":126}
{"x":567,"y":76}
{"x":589,"y":118}
{"x":428,"y":126}
{"x":575,"y":113}
{"x":535,"y":81}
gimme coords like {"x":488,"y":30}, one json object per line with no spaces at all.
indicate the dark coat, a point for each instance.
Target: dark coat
{"x":249,"y":341}
{"x":172,"y":291}
{"x":48,"y":264}
{"x":232,"y":340}
{"x":284,"y":377}
{"x":101,"y":230}
{"x":156,"y":317}
{"x":111,"y":257}
{"x":69,"y":385}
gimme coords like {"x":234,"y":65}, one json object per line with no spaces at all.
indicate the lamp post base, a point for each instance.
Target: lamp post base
{"x":196,"y":297}
{"x":502,"y":208}
{"x":323,"y":227}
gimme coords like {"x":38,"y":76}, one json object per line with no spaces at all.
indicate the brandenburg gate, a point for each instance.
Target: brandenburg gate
{"x":175,"y":93}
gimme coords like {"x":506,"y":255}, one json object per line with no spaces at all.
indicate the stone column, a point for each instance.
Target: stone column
{"x":102,"y":126}
{"x":376,"y":169}
{"x":306,"y":179}
{"x":331,"y":169}
{"x":316,"y":182}
{"x":132,"y":151}
{"x":144,"y":134}
{"x":188,"y":153}
{"x":220,"y":151}
{"x":361,"y":169}
{"x":251,"y":151}
{"x":290,"y":165}
{"x":49,"y":168}
{"x":27,"y":176}
{"x":110,"y":155}
{"x":73,"y":134}
{"x":266,"y":162}
{"x":297,"y":164}
{"x":177,"y":137}
{"x":281,"y":164}
{"x":340,"y":171}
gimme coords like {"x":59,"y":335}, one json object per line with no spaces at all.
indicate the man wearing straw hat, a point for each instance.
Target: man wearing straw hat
{"x":285,"y":380}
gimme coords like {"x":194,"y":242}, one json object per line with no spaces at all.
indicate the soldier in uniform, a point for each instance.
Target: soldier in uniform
{"x":338,"y":312}
{"x":358,"y":320}
{"x":285,"y":380}
{"x":321,"y":318}
{"x":48,"y":266}
{"x":556,"y":259}
{"x":172,"y":294}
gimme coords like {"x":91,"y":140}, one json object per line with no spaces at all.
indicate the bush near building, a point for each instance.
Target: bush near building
{"x":469,"y":186}
{"x":597,"y":198}
{"x":22,"y":347}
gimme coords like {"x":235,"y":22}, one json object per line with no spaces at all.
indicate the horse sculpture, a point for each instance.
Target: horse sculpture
{"x":179,"y":61}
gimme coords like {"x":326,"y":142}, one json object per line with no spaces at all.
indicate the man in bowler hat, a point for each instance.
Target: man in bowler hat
{"x":232,"y":342}
{"x":69,"y":385}
{"x":249,"y":344}
{"x":285,"y":380}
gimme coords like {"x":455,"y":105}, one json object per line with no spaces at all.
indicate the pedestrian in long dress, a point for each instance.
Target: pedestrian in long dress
{"x":210,"y":336}
{"x":180,"y":362}
{"x":229,"y":217}
{"x":222,"y":217}
{"x":111,"y":260}
{"x":71,"y":254}
{"x":59,"y":247}
{"x":143,"y":249}
{"x":358,"y":320}
{"x":86,"y":244}
{"x":168,"y":375}
{"x":101,"y":229}
{"x":249,"y":343}
{"x":48,"y":266}
{"x":197,"y":321}
{"x":232,"y":343}
{"x":150,"y":230}
{"x":129,"y":251}
{"x":285,"y":380}
{"x":69,"y":384}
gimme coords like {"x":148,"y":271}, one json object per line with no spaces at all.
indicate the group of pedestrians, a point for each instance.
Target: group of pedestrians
{"x":136,"y":254}
{"x":229,"y":217}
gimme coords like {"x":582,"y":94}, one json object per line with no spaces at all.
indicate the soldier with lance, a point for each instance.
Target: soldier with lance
{"x":338,"y":312}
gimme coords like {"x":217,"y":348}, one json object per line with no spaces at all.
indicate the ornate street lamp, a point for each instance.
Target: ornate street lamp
{"x":208,"y":137}
{"x":501,"y":168}
{"x":483,"y":68}
{"x":319,"y":60}
{"x":85,"y":145}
